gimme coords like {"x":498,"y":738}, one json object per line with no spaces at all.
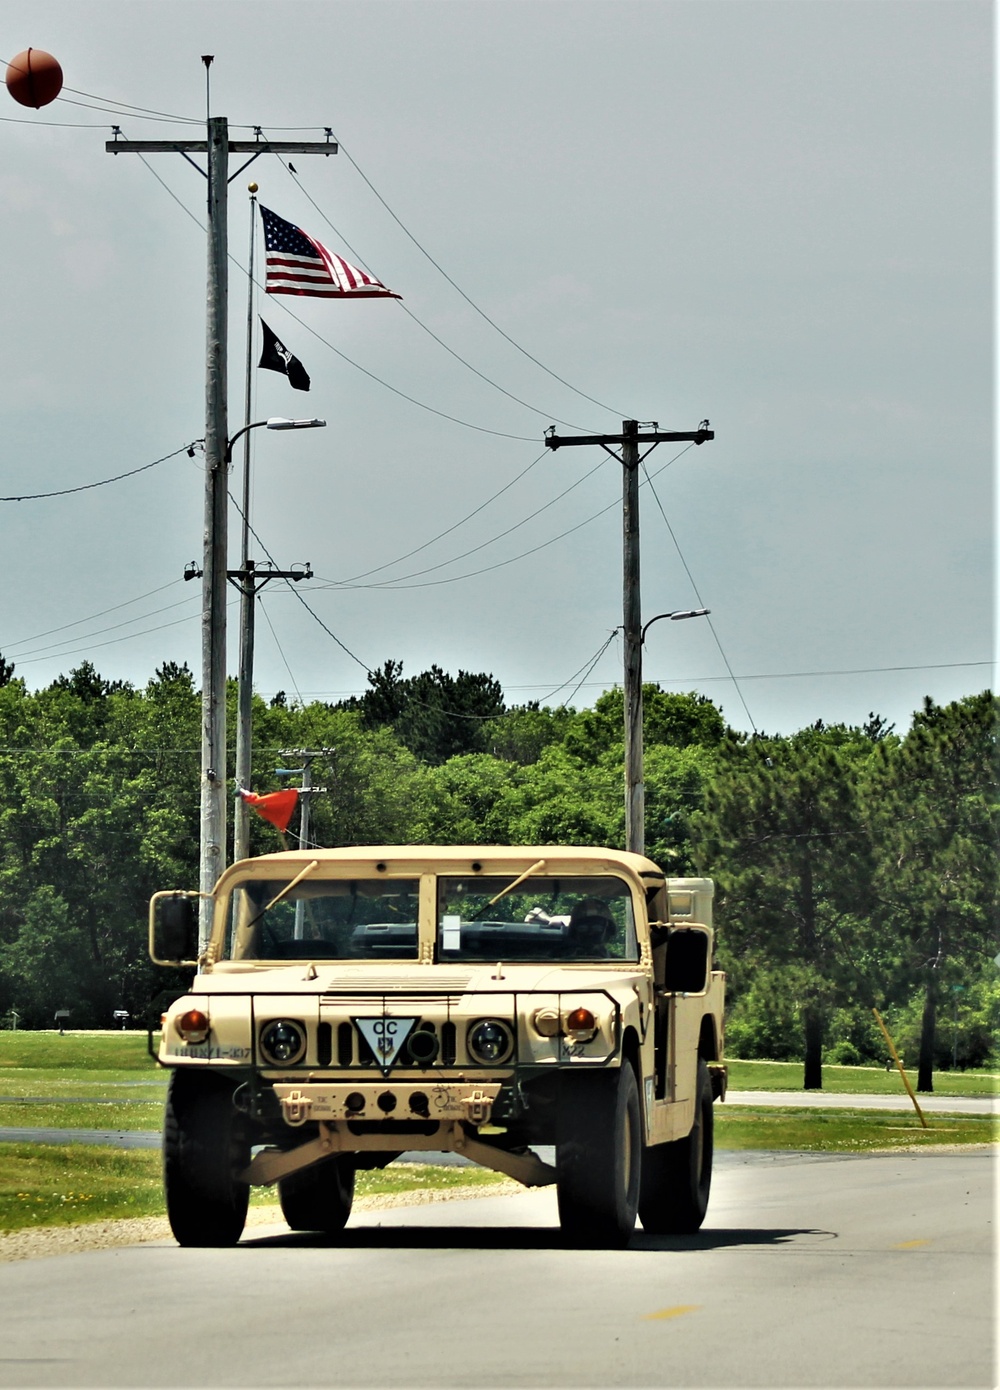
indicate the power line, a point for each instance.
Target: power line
{"x":546,"y":414}
{"x":74,"y":651}
{"x":694,"y":586}
{"x":20,"y":642}
{"x":281,"y":653}
{"x":586,"y":668}
{"x":701,"y":680}
{"x":472,"y":304}
{"x":294,"y":590}
{"x":524,"y":554}
{"x":136,"y":110}
{"x":422,"y":405}
{"x":396,"y":391}
{"x":392,"y":583}
{"x":62,"y":125}
{"x":85,"y":637}
{"x":850,"y":671}
{"x":448,"y":530}
{"x":85,"y":487}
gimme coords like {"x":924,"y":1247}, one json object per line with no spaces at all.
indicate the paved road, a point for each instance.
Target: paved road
{"x":822,"y":1271}
{"x":934,"y":1105}
{"x":113,"y":1138}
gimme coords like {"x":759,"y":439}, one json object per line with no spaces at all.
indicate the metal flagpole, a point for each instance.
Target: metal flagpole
{"x":241,"y":817}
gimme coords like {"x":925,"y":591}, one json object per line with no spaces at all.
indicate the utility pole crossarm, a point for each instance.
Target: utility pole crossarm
{"x":235,"y":146}
{"x":699,"y":436}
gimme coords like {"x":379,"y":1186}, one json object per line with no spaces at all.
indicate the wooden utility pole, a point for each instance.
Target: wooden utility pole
{"x":218,"y":147}
{"x":212,"y":857}
{"x":635,"y":787}
{"x":628,"y":441}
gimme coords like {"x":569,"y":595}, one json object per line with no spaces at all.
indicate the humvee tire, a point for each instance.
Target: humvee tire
{"x":599,"y":1158}
{"x":319,"y":1198}
{"x":677,"y":1177}
{"x":204,"y":1147}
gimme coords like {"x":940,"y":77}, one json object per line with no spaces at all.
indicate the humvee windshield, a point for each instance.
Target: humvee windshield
{"x":349,"y":919}
{"x":541,"y":918}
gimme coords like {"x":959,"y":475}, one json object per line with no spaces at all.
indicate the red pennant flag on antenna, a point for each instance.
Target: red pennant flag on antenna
{"x":276,"y":807}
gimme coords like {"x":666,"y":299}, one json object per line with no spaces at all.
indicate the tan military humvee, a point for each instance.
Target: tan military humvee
{"x":356,"y":1004}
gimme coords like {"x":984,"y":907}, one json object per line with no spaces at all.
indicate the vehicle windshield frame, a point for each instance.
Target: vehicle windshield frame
{"x":523,"y":930}
{"x":281,"y":918}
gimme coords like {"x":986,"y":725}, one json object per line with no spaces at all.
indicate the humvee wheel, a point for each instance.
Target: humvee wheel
{"x":205,"y":1144}
{"x":677,"y":1177}
{"x":598,"y":1157}
{"x":319,"y":1198}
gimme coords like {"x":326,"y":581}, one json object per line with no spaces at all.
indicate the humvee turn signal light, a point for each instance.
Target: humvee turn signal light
{"x":581,"y":1025}
{"x":193,"y":1026}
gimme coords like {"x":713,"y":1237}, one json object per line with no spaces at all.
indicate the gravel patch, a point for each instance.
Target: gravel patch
{"x":39,"y":1241}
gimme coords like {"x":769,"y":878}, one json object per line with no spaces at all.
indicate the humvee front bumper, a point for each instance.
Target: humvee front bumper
{"x":441,"y":1100}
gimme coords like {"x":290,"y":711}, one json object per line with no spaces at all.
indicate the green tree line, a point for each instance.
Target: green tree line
{"x":854,"y":867}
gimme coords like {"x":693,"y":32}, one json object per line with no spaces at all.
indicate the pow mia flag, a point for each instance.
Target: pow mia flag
{"x":276,"y":358}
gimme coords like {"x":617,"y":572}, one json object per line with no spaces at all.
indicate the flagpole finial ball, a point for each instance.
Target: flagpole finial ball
{"x":252,"y":187}
{"x":34,"y":78}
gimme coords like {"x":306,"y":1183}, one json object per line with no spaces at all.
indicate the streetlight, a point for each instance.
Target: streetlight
{"x":275,"y":422}
{"x":675,"y":617}
{"x":248,"y":584}
{"x":635,"y":787}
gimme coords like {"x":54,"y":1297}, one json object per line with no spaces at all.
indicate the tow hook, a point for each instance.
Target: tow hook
{"x":477,"y":1107}
{"x":296,"y":1108}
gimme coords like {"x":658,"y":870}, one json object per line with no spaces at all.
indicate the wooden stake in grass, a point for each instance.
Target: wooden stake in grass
{"x":895,"y":1058}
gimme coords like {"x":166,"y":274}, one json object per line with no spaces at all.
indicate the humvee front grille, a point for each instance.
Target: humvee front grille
{"x":353,"y":1050}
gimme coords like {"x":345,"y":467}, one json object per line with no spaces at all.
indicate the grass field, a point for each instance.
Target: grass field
{"x":787,"y":1076}
{"x":46,"y":1064}
{"x":87,"y":1115}
{"x":108,"y":1081}
{"x":102,"y":1067}
{"x":43,"y":1185}
{"x":108,"y":1053}
{"x":845,"y":1131}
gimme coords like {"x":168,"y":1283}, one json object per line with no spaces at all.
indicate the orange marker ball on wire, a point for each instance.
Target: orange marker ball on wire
{"x":34,"y":78}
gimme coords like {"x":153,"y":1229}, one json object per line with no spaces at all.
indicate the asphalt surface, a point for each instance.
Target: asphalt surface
{"x":829,"y":1100}
{"x":824,"y":1271}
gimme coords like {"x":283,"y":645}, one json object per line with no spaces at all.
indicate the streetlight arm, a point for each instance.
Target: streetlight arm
{"x":676,"y":616}
{"x":239,"y":435}
{"x":275,"y":422}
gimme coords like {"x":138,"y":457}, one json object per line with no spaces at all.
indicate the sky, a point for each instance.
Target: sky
{"x":773,"y":214}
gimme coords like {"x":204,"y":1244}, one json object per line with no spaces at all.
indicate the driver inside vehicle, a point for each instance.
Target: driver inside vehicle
{"x":591,"y":926}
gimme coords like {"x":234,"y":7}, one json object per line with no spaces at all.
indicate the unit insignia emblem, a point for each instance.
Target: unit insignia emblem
{"x":385,"y":1036}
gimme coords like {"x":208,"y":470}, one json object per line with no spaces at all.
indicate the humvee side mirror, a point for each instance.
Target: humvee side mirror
{"x":173,"y":928}
{"x":686,"y":968}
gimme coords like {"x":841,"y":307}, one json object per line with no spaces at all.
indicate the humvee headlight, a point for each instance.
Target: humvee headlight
{"x":581,"y":1025}
{"x":193,"y":1026}
{"x":283,"y":1042}
{"x":491,"y":1041}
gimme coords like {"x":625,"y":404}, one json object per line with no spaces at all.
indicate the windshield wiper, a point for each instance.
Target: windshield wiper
{"x":509,"y":889}
{"x":309,"y":868}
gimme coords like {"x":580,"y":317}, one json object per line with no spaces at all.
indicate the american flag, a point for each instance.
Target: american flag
{"x":296,"y":264}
